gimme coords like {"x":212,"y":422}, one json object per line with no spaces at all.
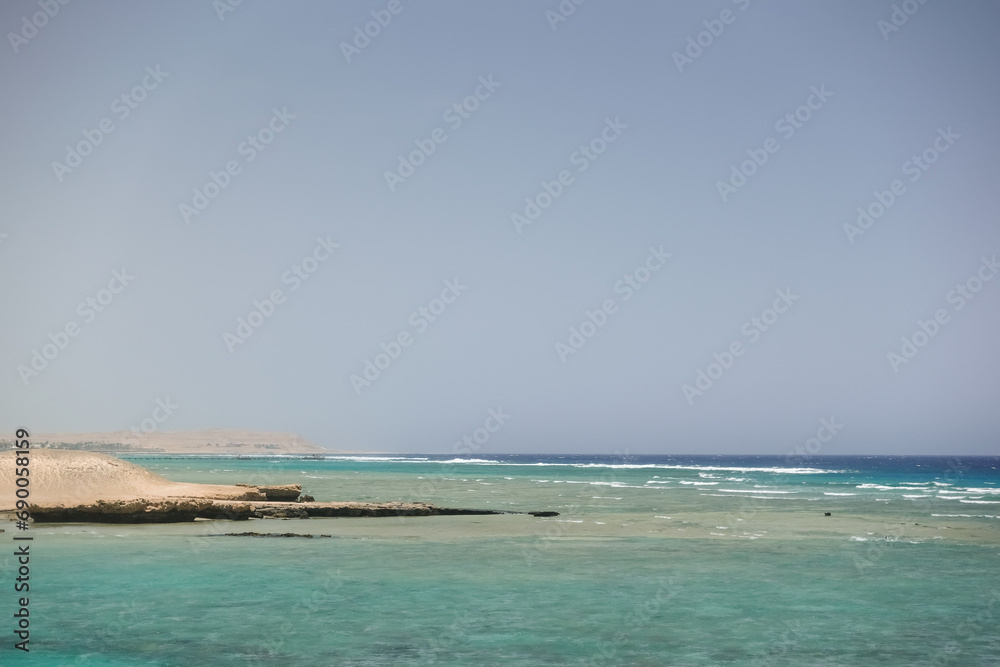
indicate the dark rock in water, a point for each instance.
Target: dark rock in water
{"x":139,"y":510}
{"x":826,"y":514}
{"x":278,"y":512}
{"x":283,"y":493}
{"x":161,"y":510}
{"x":307,"y":499}
{"x":456,"y":511}
{"x":252,"y":534}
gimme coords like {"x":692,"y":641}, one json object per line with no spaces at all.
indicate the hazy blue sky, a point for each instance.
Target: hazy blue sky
{"x":663,"y":120}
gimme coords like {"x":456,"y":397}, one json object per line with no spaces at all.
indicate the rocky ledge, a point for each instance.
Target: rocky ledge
{"x":141,"y":510}
{"x":281,"y":493}
{"x":138,"y":510}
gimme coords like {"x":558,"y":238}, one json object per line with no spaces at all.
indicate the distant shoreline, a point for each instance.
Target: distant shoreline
{"x":207,"y":441}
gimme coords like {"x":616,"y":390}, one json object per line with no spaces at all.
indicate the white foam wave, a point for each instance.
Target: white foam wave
{"x":719,"y":495}
{"x":362,"y":459}
{"x":617,"y":485}
{"x":640,"y":466}
{"x":751,"y":491}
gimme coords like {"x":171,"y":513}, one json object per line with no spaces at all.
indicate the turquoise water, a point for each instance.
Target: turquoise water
{"x":652,"y":565}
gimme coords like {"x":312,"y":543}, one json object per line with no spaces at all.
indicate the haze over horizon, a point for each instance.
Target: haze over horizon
{"x":620,"y":228}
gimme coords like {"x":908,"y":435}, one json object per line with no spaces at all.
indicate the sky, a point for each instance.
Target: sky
{"x":727,"y":226}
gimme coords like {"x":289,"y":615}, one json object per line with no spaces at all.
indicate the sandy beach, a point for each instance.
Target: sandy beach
{"x":66,"y":477}
{"x":73,"y":486}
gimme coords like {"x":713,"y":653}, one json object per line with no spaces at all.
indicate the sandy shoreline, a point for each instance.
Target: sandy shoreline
{"x":77,"y":486}
{"x":69,"y":477}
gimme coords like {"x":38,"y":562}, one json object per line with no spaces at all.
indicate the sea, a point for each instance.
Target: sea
{"x":651,"y":561}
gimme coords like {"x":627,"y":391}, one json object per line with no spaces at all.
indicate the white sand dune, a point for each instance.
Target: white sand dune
{"x":67,"y":477}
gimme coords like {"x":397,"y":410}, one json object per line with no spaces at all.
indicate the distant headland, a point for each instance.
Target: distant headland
{"x":207,"y":441}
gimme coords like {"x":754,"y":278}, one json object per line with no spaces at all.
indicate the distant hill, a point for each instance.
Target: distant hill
{"x":209,"y":441}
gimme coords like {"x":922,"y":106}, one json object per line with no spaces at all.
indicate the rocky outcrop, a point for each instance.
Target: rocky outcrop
{"x":161,"y":510}
{"x":251,"y":534}
{"x":138,"y":510}
{"x":253,"y":493}
{"x":278,"y":512}
{"x":285,"y":493}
